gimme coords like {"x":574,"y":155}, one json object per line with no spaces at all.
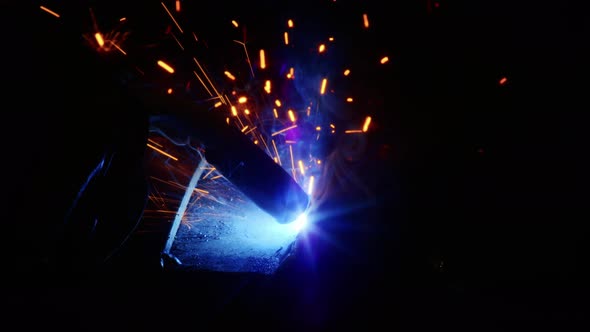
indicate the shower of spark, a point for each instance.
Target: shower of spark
{"x":261,"y":111}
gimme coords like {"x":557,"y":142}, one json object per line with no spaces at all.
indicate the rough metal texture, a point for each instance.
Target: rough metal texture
{"x":225,"y":231}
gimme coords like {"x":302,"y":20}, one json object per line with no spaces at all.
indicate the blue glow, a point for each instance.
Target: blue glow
{"x":300,"y":223}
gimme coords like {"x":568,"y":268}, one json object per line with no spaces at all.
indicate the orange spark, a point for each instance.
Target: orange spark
{"x":172,"y":17}
{"x":203,"y":83}
{"x":178,"y":5}
{"x":217,"y":104}
{"x":290,"y":23}
{"x":169,"y":91}
{"x":234,"y":111}
{"x":353,"y":131}
{"x":286,"y":38}
{"x":165,"y":66}
{"x":274,"y":110}
{"x":49,"y":11}
{"x":118,"y":48}
{"x":162,"y":152}
{"x":367,"y":123}
{"x":242,"y":100}
{"x":291,"y":73}
{"x":229,"y":75}
{"x":283,"y":130}
{"x":322,"y":48}
{"x":384,"y":60}
{"x":323,"y":87}
{"x":154,"y":142}
{"x":291,"y":115}
{"x":503,"y":80}
{"x":99,"y":39}
{"x":346,"y":72}
{"x":331,"y":39}
{"x":267,"y":86}
{"x":234,"y":23}
{"x":278,"y":103}
{"x":366,"y":20}
{"x":262,"y":60}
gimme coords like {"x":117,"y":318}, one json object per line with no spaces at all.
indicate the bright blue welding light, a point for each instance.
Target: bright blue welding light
{"x":300,"y":223}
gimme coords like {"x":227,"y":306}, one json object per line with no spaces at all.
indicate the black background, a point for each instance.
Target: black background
{"x":482,"y":210}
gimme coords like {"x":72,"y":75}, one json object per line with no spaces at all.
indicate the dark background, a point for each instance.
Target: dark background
{"x":480,"y":221}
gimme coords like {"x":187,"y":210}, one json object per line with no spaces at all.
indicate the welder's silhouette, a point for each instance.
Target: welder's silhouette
{"x":76,"y":145}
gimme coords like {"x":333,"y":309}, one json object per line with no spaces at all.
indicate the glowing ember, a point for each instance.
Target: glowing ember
{"x":99,"y":39}
{"x":262,"y":60}
{"x":366,"y":21}
{"x":367,"y":123}
{"x":47,"y":10}
{"x":166,"y":66}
